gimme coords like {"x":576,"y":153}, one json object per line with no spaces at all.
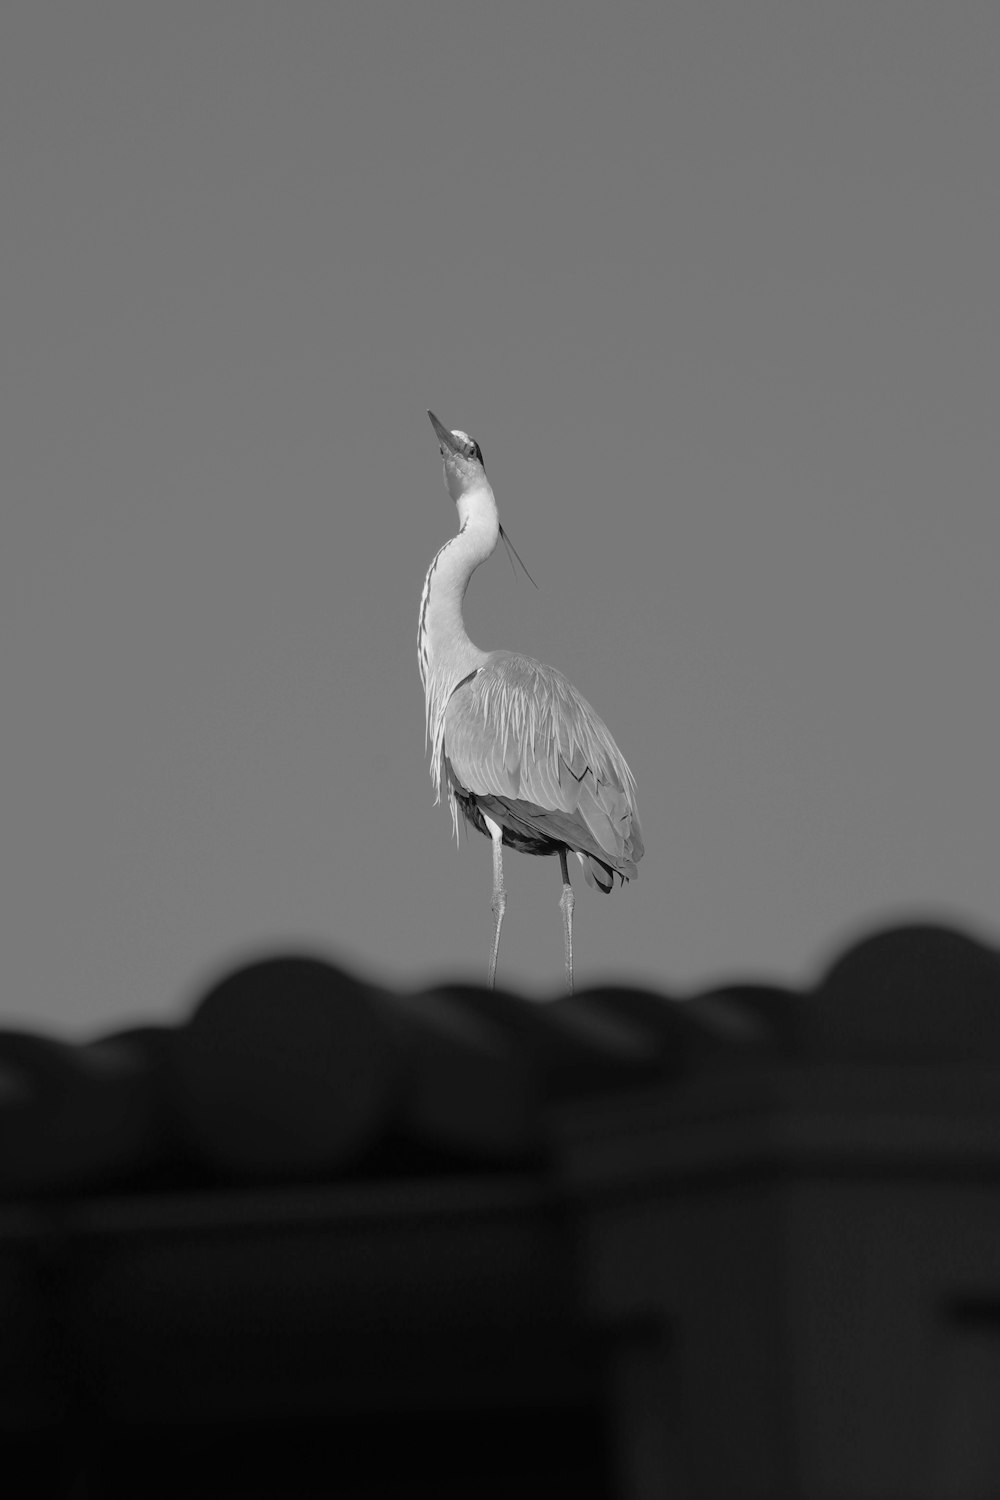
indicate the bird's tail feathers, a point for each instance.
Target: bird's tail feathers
{"x":597,"y":875}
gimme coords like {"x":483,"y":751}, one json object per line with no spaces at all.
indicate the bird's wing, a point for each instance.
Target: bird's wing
{"x":518,"y":730}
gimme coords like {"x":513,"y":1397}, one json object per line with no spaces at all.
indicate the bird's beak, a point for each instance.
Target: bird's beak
{"x":444,"y":436}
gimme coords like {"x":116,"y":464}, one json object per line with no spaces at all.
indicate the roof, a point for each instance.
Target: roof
{"x":312,"y":1204}
{"x":291,"y":1070}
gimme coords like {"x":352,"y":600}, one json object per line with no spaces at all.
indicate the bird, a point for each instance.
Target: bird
{"x":520,"y":754}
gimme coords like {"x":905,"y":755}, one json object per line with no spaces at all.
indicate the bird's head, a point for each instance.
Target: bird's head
{"x":465,"y":476}
{"x":463,"y":459}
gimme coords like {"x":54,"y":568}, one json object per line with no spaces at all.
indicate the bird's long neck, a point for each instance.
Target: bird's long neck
{"x":445,"y":650}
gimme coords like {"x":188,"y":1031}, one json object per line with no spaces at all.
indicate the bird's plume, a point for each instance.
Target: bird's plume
{"x":512,"y":552}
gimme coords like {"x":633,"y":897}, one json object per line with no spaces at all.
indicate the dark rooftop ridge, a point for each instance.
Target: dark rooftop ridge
{"x":291,"y":1069}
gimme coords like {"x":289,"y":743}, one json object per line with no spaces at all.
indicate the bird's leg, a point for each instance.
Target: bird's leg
{"x":566,"y":903}
{"x":499,"y":903}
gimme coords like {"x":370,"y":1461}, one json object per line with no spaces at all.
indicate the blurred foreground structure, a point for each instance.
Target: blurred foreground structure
{"x":320,"y":1239}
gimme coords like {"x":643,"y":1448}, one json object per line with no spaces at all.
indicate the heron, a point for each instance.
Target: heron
{"x":520,"y":753}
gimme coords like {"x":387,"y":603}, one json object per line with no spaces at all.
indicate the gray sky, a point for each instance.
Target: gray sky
{"x":714,"y":285}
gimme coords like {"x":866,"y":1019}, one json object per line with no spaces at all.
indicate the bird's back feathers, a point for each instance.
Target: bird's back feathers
{"x":522,"y":745}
